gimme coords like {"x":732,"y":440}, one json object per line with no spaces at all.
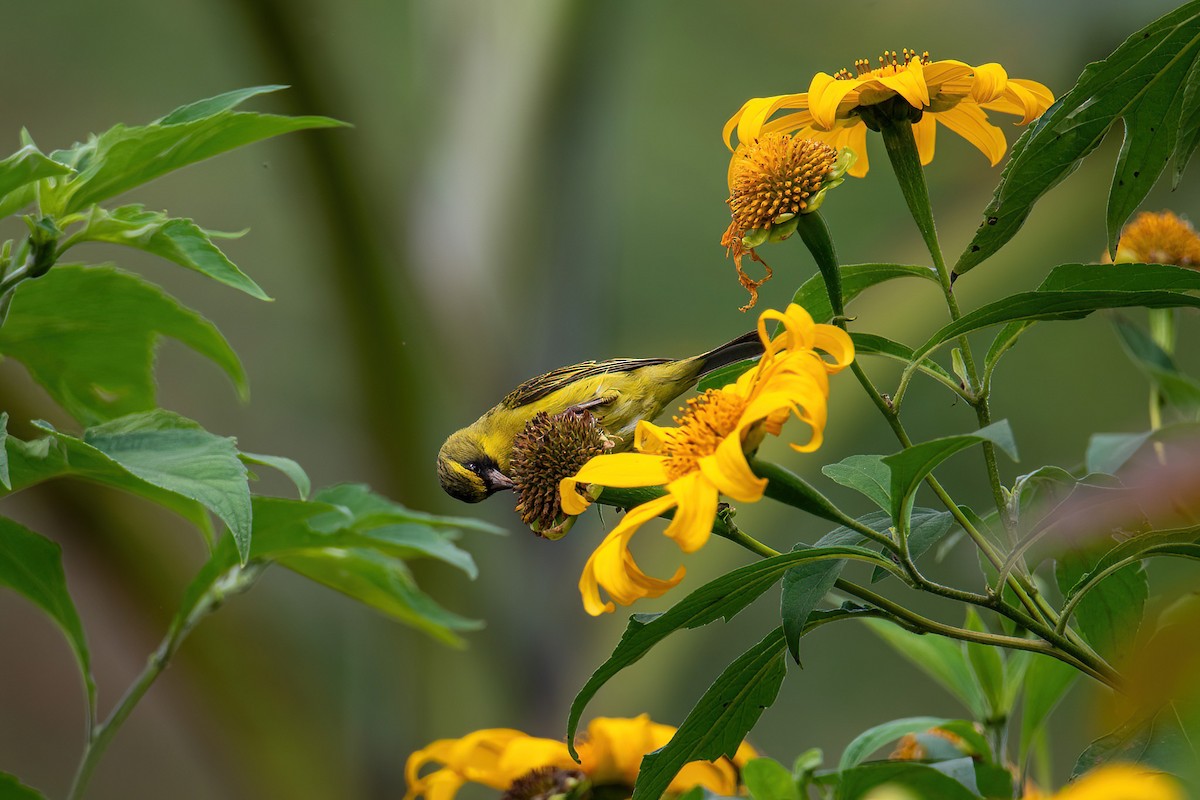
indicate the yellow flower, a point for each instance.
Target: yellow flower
{"x":1120,"y":782}
{"x":952,"y":93}
{"x":772,"y":181}
{"x":705,"y":456}
{"x":1159,"y":239}
{"x":610,"y":754}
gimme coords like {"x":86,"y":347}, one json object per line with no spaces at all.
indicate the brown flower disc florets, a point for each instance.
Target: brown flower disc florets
{"x":549,"y":449}
{"x":543,"y":783}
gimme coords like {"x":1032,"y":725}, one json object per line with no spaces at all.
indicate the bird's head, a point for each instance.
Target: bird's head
{"x":466,"y":471}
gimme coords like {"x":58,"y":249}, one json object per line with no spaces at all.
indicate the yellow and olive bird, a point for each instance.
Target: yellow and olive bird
{"x":473,"y":463}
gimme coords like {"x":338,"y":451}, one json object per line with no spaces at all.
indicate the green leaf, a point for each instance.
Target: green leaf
{"x":366,"y":509}
{"x":1110,"y":614}
{"x":872,"y":345}
{"x":21,"y":169}
{"x":31,"y":565}
{"x":5,"y":477}
{"x":866,"y":474}
{"x":786,"y":487}
{"x":723,"y":597}
{"x":124,"y":157}
{"x":910,"y":466}
{"x":988,"y":666}
{"x":725,"y":375}
{"x":803,"y":589}
{"x":767,"y":779}
{"x":178,"y":240}
{"x":1137,"y":82}
{"x":940,"y":658}
{"x":1108,"y":452}
{"x":720,"y":720}
{"x":287,"y":466}
{"x":12,"y":789}
{"x":89,"y":335}
{"x":1040,"y":305}
{"x":812,"y":297}
{"x":1180,"y":390}
{"x":1157,"y":741}
{"x":874,"y":738}
{"x":922,"y":780}
{"x":1046,"y":684}
{"x":178,"y":455}
{"x":927,"y":527}
{"x":352,"y":557}
{"x":215,"y":105}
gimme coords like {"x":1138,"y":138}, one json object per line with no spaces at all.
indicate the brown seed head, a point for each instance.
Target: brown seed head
{"x":544,"y":783}
{"x":549,"y":449}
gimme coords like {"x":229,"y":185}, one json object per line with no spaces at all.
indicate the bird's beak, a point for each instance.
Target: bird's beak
{"x":497,"y":480}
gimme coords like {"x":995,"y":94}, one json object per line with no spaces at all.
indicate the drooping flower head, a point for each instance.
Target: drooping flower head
{"x":1118,"y":782}
{"x":525,"y":766}
{"x":1161,"y":238}
{"x":704,"y":456}
{"x":772,"y":181}
{"x":839,"y":108}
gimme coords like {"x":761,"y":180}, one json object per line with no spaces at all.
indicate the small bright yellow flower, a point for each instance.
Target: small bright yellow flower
{"x":951,"y":93}
{"x":1161,"y":238}
{"x":705,"y":456}
{"x":610,"y":753}
{"x":1119,"y":782}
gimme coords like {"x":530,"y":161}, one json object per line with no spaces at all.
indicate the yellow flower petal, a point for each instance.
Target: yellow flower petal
{"x":729,"y":472}
{"x":1122,"y":782}
{"x":695,"y":512}
{"x":618,"y":470}
{"x":991,"y":80}
{"x":612,"y":567}
{"x":909,"y":83}
{"x":528,"y":753}
{"x":825,"y":94}
{"x":925,"y":133}
{"x":970,"y":122}
{"x":1030,"y":99}
{"x":754,"y":113}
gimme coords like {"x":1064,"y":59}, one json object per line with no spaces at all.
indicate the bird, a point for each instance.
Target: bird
{"x":473,"y":462}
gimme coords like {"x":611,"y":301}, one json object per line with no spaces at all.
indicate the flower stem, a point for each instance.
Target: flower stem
{"x":237,"y":580}
{"x":1162,"y":333}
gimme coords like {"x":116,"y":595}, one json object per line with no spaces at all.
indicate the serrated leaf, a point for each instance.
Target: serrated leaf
{"x":867,"y":474}
{"x":31,"y":565}
{"x":855,"y":278}
{"x":803,"y":589}
{"x":1174,"y":542}
{"x":1074,"y":126}
{"x":1180,"y":390}
{"x":1110,"y":614}
{"x":364,"y":564}
{"x":20,"y":170}
{"x":720,"y":720}
{"x":1050,"y":305}
{"x":922,"y":780}
{"x":1157,"y":741}
{"x":215,"y":105}
{"x":723,"y":597}
{"x":177,"y":455}
{"x":88,"y":335}
{"x":177,"y":240}
{"x":124,"y":157}
{"x":940,"y":658}
{"x":1047,"y":683}
{"x":767,"y":779}
{"x":787,"y":487}
{"x":876,"y":737}
{"x":287,"y":466}
{"x":910,"y":466}
{"x":12,"y":789}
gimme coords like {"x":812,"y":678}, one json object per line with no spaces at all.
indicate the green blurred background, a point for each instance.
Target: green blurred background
{"x":527,"y":184}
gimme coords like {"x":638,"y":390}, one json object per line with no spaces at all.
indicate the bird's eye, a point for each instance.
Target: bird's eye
{"x":474,"y":467}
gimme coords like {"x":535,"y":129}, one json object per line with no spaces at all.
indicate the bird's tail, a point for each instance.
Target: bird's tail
{"x":748,"y":345}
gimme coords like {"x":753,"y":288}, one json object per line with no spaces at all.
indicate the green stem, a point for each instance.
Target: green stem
{"x":100,"y":736}
{"x":902,"y":152}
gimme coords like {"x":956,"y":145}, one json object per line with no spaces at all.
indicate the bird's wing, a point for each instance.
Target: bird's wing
{"x":537,"y":388}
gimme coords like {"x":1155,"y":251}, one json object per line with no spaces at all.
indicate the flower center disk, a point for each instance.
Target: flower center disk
{"x":890,"y":63}
{"x":707,"y":421}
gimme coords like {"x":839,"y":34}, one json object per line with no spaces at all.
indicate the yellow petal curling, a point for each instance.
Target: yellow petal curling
{"x":949,"y":92}
{"x":705,"y":456}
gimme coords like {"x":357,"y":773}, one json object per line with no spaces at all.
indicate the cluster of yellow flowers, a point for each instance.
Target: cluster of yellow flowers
{"x":780,"y":167}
